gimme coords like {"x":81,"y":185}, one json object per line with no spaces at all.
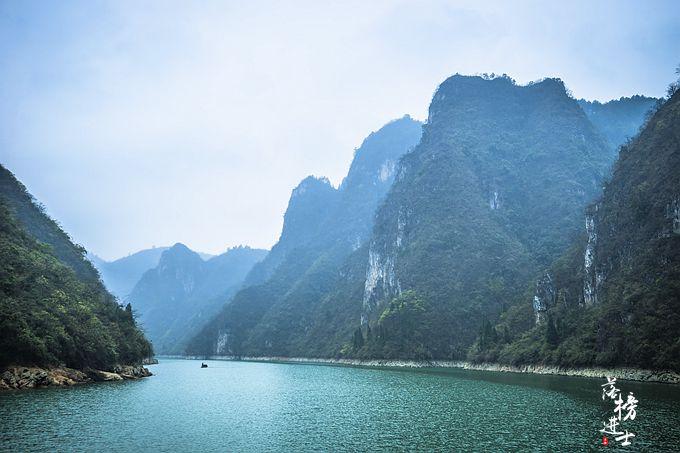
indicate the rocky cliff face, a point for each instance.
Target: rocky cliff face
{"x":491,"y":193}
{"x":544,"y":297}
{"x":322,"y":227}
{"x":310,"y":204}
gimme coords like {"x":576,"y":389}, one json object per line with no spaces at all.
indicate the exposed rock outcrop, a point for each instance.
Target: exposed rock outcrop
{"x":21,"y":377}
{"x":103,"y":376}
{"x":29,"y":377}
{"x":591,"y":281}
{"x":544,"y":297}
{"x":132,"y":371}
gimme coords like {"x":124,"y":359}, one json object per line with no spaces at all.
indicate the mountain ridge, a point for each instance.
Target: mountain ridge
{"x":522,"y":160}
{"x":322,"y":225}
{"x":176,"y":297}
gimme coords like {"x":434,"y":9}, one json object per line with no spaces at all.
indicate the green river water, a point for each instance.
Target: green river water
{"x":248,"y":406}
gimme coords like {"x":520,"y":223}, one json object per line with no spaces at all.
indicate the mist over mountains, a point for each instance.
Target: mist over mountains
{"x":618,"y":120}
{"x":180,"y":294}
{"x":433,"y":226}
{"x":492,"y":194}
{"x":483,"y":234}
{"x":121,"y":275}
{"x":322,"y":227}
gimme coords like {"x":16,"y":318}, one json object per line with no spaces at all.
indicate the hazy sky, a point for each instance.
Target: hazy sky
{"x":150,"y":123}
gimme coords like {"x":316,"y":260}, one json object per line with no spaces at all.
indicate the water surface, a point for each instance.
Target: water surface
{"x":245,"y":406}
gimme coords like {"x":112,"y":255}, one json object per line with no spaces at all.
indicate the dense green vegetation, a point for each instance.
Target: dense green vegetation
{"x":446,"y":268}
{"x":635,"y":318}
{"x":288,"y":306}
{"x":30,"y":213}
{"x":53,"y":308}
{"x":401,"y":330}
{"x":494,"y":192}
{"x":463,"y":238}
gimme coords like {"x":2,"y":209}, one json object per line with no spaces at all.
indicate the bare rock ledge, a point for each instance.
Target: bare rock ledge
{"x":24,"y":377}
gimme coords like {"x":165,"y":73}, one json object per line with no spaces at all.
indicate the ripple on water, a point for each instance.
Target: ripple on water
{"x":241,"y":406}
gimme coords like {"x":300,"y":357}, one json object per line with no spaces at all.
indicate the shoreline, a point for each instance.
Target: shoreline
{"x":26,"y":377}
{"x":623,"y":373}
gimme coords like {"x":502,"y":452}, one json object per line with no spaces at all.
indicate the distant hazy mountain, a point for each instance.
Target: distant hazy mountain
{"x":614,"y":297}
{"x":322,"y":227}
{"x":620,"y":119}
{"x":183,"y":291}
{"x":53,"y":308}
{"x":121,"y":275}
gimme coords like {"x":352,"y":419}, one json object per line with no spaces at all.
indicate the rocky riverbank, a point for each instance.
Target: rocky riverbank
{"x":21,"y":377}
{"x":631,"y":374}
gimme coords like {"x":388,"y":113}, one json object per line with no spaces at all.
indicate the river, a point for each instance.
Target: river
{"x":250,"y":406}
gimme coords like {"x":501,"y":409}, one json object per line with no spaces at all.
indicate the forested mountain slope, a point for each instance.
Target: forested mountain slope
{"x":53,"y":308}
{"x":322,"y":227}
{"x":614,"y":298}
{"x":492,"y":193}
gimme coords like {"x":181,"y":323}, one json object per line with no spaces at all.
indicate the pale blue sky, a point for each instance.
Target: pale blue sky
{"x":148,"y":123}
